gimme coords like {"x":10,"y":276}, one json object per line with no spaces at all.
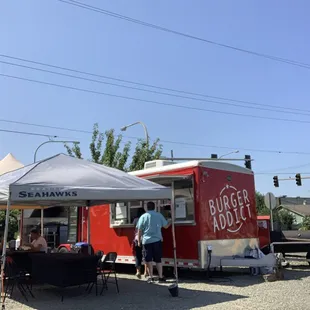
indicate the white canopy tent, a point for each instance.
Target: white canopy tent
{"x":62,"y":180}
{"x":9,"y":163}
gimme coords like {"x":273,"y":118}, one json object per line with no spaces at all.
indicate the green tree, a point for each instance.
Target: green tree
{"x":13,"y":223}
{"x":285,"y":218}
{"x":261,"y":208}
{"x":105,"y":148}
{"x":305,"y":223}
{"x":144,"y":153}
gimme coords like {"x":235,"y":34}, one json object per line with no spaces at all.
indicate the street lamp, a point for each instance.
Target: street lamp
{"x":51,"y":141}
{"x":144,"y":127}
{"x":234,"y":152}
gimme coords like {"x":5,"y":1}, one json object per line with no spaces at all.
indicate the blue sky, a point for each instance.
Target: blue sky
{"x":60,"y":34}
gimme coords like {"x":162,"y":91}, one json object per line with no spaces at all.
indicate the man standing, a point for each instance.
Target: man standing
{"x":149,"y":233}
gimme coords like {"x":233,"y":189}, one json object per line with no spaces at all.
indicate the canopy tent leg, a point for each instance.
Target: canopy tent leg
{"x":88,"y":227}
{"x":3,"y":258}
{"x":21,"y":227}
{"x":88,"y":230}
{"x":173,"y":236}
{"x":82,"y":226}
{"x":42,"y":222}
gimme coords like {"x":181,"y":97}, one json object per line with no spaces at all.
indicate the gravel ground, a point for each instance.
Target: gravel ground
{"x":236,"y":292}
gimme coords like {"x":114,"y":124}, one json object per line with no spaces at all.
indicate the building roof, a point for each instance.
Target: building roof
{"x":9,"y":163}
{"x":303,"y":210}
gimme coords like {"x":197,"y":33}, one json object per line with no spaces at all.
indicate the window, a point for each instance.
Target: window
{"x":135,"y":211}
{"x":119,"y":213}
{"x":164,"y":207}
{"x":125,"y":213}
{"x":184,"y":200}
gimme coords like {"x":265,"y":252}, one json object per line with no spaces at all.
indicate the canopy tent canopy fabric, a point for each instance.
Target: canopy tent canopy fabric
{"x":9,"y":163}
{"x":64,"y":180}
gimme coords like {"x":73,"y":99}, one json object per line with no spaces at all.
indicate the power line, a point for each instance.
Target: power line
{"x":163,"y":141}
{"x":279,"y":173}
{"x":153,"y":101}
{"x":291,"y":167}
{"x":149,"y":91}
{"x":183,"y":143}
{"x":148,"y":85}
{"x":146,"y":24}
{"x":28,"y":133}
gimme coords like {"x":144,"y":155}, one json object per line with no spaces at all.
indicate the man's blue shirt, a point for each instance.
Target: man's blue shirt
{"x":151,"y":224}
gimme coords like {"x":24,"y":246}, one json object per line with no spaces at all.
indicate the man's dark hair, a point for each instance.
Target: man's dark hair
{"x":150,"y":206}
{"x":35,"y":230}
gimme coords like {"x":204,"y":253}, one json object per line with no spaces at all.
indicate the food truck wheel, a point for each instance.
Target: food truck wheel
{"x":308,"y":257}
{"x":63,"y":250}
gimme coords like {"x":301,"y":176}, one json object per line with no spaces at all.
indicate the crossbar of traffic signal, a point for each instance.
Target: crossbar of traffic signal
{"x":298,"y":179}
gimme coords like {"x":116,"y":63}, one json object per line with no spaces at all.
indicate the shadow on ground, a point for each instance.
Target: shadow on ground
{"x":239,"y":277}
{"x":136,"y":294}
{"x":133,"y":294}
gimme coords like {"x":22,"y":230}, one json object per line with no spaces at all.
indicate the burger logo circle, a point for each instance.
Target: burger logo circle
{"x":230,"y":209}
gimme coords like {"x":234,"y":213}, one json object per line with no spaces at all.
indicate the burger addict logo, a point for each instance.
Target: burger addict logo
{"x":230,"y":210}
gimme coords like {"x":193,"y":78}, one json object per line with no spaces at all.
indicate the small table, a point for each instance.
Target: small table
{"x":64,"y":270}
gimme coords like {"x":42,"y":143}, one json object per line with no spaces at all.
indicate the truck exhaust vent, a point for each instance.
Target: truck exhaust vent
{"x":157,"y":164}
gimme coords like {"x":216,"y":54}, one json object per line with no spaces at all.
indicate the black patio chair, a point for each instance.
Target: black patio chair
{"x":108,"y":268}
{"x":16,"y":277}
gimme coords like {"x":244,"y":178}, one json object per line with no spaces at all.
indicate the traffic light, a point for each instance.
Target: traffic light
{"x":214,"y":156}
{"x":247,"y":162}
{"x":275,"y":181}
{"x":298,"y":179}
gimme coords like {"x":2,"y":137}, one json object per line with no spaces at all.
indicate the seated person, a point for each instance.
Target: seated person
{"x":38,"y":243}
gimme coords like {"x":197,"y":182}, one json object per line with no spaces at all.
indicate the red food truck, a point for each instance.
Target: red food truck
{"x":215,"y":211}
{"x":263,"y":222}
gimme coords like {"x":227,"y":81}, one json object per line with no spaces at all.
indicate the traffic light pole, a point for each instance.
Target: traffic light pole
{"x":292,"y":179}
{"x":297,"y":178}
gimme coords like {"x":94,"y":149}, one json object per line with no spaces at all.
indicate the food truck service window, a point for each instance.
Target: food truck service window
{"x":183,"y":202}
{"x":123,"y":214}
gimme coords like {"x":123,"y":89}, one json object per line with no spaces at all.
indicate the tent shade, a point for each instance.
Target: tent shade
{"x":65,"y":180}
{"x":9,"y":163}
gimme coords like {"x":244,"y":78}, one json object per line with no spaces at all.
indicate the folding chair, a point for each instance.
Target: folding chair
{"x":108,"y":268}
{"x":15,"y":277}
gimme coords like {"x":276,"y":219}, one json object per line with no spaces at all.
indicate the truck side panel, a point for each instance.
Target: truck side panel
{"x":228,"y":205}
{"x":108,"y":239}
